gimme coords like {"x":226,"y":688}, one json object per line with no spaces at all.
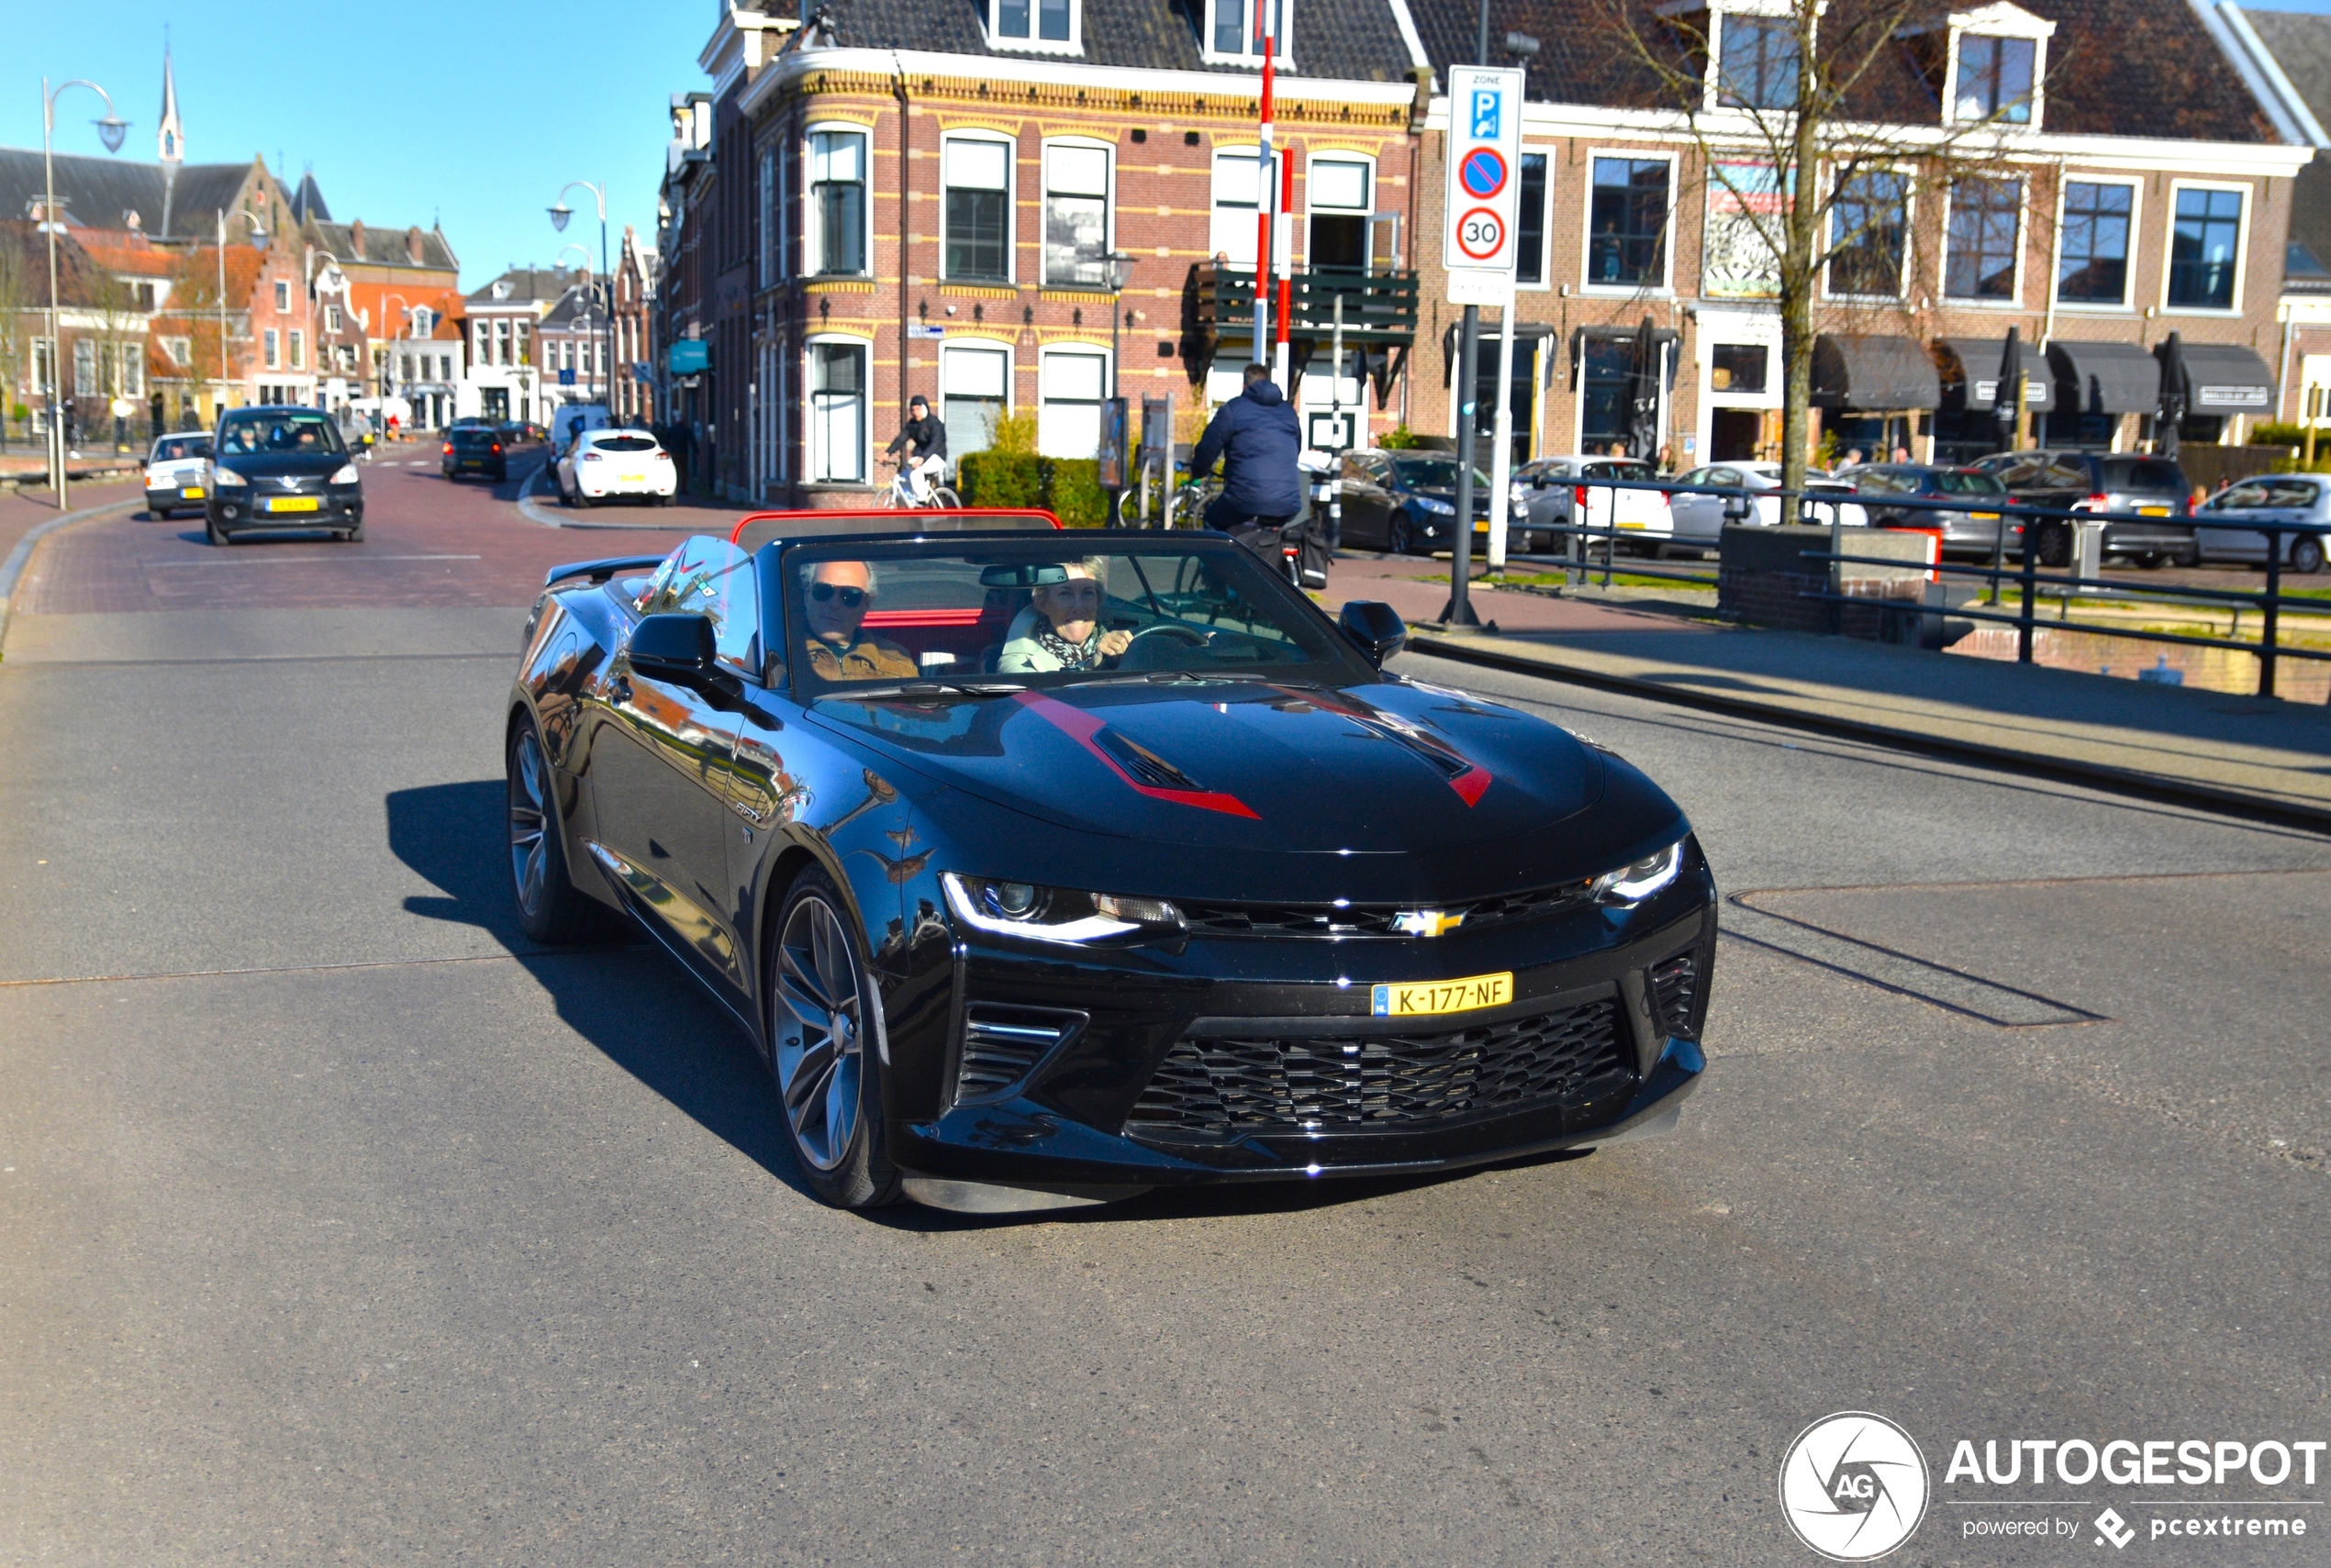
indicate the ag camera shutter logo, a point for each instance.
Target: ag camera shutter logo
{"x":1853,"y":1486}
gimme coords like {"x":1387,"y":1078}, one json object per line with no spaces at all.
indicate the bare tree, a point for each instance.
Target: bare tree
{"x":1808,"y":148}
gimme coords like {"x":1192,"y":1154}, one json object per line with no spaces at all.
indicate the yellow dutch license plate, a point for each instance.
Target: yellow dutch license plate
{"x":294,"y":504}
{"x":1985,"y":516}
{"x":1435,"y":996}
{"x":2152,"y":511}
{"x":191,"y":493}
{"x":632,"y":479}
{"x":1634,"y":525}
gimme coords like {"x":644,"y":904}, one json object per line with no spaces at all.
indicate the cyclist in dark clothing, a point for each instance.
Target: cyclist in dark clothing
{"x":924,"y":439}
{"x":1257,"y":439}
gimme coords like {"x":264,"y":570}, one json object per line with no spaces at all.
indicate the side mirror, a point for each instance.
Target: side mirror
{"x":1375,"y":628}
{"x":675,"y":647}
{"x":1736,"y":508}
{"x":1539,"y":481}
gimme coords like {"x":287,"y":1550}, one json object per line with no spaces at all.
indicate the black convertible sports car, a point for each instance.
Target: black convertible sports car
{"x":1046,"y":868}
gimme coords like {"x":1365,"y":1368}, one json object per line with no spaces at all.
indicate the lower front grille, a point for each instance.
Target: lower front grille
{"x":1675,"y":992}
{"x":1348,"y":920}
{"x":1220,"y":1086}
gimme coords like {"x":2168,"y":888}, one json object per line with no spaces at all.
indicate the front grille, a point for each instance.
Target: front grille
{"x":1675,"y":992}
{"x":1234,"y":920}
{"x":1002,"y":1043}
{"x":1220,"y":1086}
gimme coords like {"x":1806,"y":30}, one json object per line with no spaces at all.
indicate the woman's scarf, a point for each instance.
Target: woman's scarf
{"x":1072,"y":655}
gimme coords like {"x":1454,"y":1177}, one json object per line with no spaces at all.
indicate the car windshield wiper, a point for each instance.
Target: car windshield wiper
{"x":932,"y":689}
{"x":1165,"y":677}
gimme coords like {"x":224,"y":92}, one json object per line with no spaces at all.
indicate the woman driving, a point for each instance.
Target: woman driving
{"x":1060,"y":629}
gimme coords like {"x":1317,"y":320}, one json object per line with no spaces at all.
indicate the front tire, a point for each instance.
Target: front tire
{"x":1401,"y":539}
{"x":822,"y":1012}
{"x":2055,"y":546}
{"x":161,"y":514}
{"x":550,"y":908}
{"x":213,"y":532}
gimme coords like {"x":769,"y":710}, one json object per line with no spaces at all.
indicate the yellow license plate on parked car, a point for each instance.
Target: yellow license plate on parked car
{"x":191,"y":493}
{"x":1430,"y":997}
{"x":294,"y":504}
{"x":2152,"y":511}
{"x":633,"y":479}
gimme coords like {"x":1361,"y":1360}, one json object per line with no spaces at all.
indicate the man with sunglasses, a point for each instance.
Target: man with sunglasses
{"x":839,"y":594}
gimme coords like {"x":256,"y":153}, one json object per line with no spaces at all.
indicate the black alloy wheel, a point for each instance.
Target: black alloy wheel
{"x":2152,"y":561}
{"x":2055,"y":544}
{"x":550,"y":908}
{"x":2191,"y":556}
{"x":1402,"y":538}
{"x":2306,"y":555}
{"x":823,"y":1018}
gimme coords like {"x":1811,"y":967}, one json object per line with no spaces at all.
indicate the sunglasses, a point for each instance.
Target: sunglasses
{"x":850,"y":598}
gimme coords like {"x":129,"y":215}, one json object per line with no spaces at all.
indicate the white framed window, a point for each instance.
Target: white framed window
{"x":975,"y":392}
{"x":1982,"y":241}
{"x":502,"y":342}
{"x":1869,"y":235}
{"x":44,"y":366}
{"x":521,"y":331}
{"x":770,"y":202}
{"x":2208,"y":228}
{"x":1339,"y":190}
{"x":1757,"y":58}
{"x":1238,"y":193}
{"x":331,"y":318}
{"x":1531,"y":267}
{"x":298,"y":349}
{"x":180,"y":349}
{"x":841,"y":429}
{"x":1078,"y":178}
{"x":1043,"y":26}
{"x":84,"y":368}
{"x":1631,"y":199}
{"x":2095,"y":242}
{"x":283,"y":296}
{"x":133,"y":370}
{"x":270,"y":347}
{"x":484,"y":330}
{"x":1995,"y":70}
{"x":975,"y":177}
{"x":1071,"y":382}
{"x":424,"y":321}
{"x":839,"y":212}
{"x":1231,"y":37}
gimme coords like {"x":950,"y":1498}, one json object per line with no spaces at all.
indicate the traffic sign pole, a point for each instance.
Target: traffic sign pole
{"x":1480,"y":206}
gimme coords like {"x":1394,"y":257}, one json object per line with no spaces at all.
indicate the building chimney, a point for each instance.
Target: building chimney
{"x":413,"y":244}
{"x":356,"y":238}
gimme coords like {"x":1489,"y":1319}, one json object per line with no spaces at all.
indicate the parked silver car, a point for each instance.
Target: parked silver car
{"x":1700,"y":520}
{"x":2299,"y":501}
{"x":1545,"y":498}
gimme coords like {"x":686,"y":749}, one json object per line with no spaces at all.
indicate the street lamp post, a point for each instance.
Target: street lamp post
{"x":380,"y":409}
{"x":560,"y":213}
{"x":110,"y":130}
{"x":1120,"y":273}
{"x":331,"y":280}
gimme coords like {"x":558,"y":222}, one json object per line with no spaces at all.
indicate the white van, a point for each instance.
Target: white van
{"x":568,"y":421}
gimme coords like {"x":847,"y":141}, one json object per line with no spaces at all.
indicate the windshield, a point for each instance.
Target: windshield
{"x":2144,"y":474}
{"x":1966,"y":482}
{"x":1432,"y":472}
{"x":1008,"y":615}
{"x":297,"y":435}
{"x":173,"y":448}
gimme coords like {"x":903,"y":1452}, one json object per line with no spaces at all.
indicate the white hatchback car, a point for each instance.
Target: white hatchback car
{"x":176,"y":474}
{"x":602,"y":465}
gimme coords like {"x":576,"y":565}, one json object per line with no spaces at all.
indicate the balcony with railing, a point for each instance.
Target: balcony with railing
{"x":1380,"y":309}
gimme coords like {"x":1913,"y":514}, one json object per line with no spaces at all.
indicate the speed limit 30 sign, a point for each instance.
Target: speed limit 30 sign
{"x":1485,"y":150}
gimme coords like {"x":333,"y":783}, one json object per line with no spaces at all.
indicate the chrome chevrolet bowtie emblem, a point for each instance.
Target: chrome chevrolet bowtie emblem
{"x":1425,"y":922}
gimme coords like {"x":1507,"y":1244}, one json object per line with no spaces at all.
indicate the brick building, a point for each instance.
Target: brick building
{"x":2134,"y":187}
{"x":911,"y":200}
{"x":635,"y":279}
{"x":2290,"y":56}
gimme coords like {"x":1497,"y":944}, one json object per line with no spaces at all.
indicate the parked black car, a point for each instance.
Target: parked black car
{"x":1405,"y":501}
{"x":476,"y":448}
{"x":282,"y":468}
{"x":1975,"y":530}
{"x":2104,"y":482}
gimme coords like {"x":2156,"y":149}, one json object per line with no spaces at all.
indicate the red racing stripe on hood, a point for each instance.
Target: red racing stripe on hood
{"x":1082,"y":727}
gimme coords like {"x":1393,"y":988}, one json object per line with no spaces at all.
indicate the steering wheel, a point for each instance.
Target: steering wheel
{"x":1152,"y":644}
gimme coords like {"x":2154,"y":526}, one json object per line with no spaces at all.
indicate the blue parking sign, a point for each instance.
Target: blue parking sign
{"x":1486,"y":102}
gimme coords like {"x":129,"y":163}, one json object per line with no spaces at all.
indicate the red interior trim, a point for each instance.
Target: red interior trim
{"x":923,"y":618}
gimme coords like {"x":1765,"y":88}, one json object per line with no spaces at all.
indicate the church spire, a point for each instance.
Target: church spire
{"x":170,"y":141}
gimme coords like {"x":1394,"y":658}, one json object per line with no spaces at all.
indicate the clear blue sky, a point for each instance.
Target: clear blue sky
{"x":475,"y":114}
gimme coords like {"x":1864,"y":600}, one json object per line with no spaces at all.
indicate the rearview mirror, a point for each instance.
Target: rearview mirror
{"x":1023,"y":576}
{"x":676,"y":647}
{"x":1375,"y":628}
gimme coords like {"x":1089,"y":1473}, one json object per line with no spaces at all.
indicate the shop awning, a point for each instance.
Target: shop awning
{"x":1975,"y":374}
{"x":1526,"y":335}
{"x":2225,"y":378}
{"x":2107,"y":378}
{"x":1624,"y":337}
{"x":1874,"y":371}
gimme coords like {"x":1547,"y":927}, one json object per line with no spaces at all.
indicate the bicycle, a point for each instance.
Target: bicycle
{"x":901,"y":498}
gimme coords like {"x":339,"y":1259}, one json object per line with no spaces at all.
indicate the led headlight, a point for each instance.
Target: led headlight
{"x":1633,"y":884}
{"x":1054,"y":914}
{"x":347,"y":476}
{"x":227,"y":478}
{"x":1430,"y":505}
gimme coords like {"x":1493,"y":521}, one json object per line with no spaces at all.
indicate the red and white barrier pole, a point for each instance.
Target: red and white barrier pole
{"x":1266,"y":186}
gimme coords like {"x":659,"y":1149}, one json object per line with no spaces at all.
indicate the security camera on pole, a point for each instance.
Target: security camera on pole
{"x":1480,"y":206}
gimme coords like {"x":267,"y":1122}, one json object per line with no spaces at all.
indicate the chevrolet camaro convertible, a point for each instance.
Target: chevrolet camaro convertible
{"x":1047,"y":867}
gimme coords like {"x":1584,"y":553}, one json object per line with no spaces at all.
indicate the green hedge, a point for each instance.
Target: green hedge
{"x":1070,"y":488}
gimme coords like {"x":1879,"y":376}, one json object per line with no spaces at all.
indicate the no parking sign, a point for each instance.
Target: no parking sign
{"x":1484,"y":182}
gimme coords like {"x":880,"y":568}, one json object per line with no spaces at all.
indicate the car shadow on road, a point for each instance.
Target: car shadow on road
{"x":625,"y":998}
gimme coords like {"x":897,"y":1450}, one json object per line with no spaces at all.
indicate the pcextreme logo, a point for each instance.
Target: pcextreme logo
{"x":1853,"y":1486}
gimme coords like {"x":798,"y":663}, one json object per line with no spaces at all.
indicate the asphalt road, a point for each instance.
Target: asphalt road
{"x":338,"y":1224}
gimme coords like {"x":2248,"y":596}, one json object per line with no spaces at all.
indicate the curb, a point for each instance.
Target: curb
{"x":2122,"y":781}
{"x":13,"y":568}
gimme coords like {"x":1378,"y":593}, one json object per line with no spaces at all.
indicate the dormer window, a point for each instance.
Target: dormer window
{"x":1995,"y":78}
{"x":1049,"y":26}
{"x":1231,"y":38}
{"x":1756,"y":61}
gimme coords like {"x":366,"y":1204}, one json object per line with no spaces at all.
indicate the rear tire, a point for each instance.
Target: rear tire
{"x":944,"y":499}
{"x":161,"y":514}
{"x":551,"y":909}
{"x":2306,"y":556}
{"x":2055,"y":546}
{"x":2152,"y":561}
{"x":1402,"y":537}
{"x":821,"y":1011}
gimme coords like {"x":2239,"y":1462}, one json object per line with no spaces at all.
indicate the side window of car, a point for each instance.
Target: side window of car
{"x":709,"y":576}
{"x":2291,"y":493}
{"x":2067,"y":471}
{"x":1356,"y":468}
{"x":2248,"y":493}
{"x":1727,"y":476}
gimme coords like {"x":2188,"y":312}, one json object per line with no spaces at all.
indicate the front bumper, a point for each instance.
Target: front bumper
{"x":1295,"y":1080}
{"x":236,"y":510}
{"x":176,"y":496}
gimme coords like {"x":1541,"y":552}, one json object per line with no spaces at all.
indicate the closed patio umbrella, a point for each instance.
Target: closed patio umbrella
{"x":2007,"y":400}
{"x":1643,"y":424}
{"x":2172,"y":404}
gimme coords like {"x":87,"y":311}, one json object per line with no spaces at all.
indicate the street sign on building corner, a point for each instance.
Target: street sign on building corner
{"x":1481,"y":201}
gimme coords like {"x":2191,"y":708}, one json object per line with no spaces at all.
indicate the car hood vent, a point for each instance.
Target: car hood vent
{"x":1002,"y":1044}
